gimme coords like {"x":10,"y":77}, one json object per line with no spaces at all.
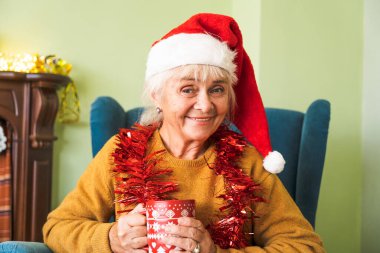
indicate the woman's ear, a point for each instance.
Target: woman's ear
{"x":155,"y":99}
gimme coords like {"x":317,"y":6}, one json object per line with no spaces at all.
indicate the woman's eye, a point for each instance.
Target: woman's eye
{"x":188,"y":91}
{"x":217,"y":90}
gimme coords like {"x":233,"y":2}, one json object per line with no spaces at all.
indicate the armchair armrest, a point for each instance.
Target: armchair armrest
{"x":24,"y":247}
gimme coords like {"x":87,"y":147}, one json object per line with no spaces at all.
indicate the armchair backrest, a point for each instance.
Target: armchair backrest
{"x":300,"y":137}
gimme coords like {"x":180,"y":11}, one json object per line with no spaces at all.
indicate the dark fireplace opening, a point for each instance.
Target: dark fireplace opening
{"x":5,"y":181}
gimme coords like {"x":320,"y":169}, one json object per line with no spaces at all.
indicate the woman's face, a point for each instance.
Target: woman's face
{"x":193,"y":109}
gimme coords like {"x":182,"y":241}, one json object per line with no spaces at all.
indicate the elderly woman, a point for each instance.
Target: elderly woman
{"x":199,"y":80}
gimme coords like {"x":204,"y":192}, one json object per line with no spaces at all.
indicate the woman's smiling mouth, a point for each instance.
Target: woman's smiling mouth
{"x":200,"y":119}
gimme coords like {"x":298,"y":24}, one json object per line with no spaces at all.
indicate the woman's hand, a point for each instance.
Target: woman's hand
{"x":187,"y":234}
{"x":128,"y":234}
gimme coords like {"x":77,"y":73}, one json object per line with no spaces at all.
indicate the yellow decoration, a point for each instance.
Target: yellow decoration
{"x":69,"y":108}
{"x":56,"y":65}
{"x":33,"y":63}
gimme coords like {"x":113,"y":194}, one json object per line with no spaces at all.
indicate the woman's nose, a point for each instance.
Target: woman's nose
{"x":203,"y":102}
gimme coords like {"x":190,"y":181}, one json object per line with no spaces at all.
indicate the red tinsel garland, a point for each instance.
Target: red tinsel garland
{"x":138,"y":180}
{"x":240,"y":191}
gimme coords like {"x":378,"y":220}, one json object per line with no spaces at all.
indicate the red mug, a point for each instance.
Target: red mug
{"x":160,"y":213}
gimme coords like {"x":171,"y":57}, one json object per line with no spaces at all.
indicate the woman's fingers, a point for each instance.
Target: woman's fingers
{"x":134,"y":241}
{"x":128,"y":224}
{"x":191,"y":222}
{"x":183,"y":243}
{"x":139,"y":209}
{"x":135,"y":236}
{"x":182,"y":231}
{"x":137,"y":231}
{"x":187,"y":227}
{"x":133,"y":218}
{"x":131,"y":229}
{"x":188,"y":234}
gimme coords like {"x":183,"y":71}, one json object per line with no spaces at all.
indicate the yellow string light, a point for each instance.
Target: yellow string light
{"x":69,"y":109}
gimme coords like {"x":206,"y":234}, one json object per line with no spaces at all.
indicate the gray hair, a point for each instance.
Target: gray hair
{"x":156,"y":83}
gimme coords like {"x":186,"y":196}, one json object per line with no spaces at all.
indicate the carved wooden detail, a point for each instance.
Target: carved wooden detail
{"x":29,"y":102}
{"x":43,"y":116}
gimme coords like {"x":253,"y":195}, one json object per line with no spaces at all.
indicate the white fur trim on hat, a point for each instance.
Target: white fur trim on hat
{"x":187,"y":48}
{"x":274,"y":162}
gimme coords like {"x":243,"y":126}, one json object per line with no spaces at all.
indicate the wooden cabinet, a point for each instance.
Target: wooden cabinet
{"x":29,"y":103}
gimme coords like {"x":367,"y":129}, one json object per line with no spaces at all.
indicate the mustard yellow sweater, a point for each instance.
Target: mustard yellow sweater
{"x":80,"y":223}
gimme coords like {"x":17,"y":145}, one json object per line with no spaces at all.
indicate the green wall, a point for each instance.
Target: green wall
{"x":301,"y":50}
{"x":370,"y":130}
{"x":248,"y":15}
{"x":107,"y":43}
{"x":310,"y":50}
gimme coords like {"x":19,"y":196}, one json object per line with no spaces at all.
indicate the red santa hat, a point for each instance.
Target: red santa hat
{"x":216,"y":40}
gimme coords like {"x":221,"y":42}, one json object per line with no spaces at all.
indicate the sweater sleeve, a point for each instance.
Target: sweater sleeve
{"x":281,"y":227}
{"x":80,"y":222}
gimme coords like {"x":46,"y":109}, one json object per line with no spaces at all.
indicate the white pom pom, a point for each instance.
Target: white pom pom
{"x":274,"y":162}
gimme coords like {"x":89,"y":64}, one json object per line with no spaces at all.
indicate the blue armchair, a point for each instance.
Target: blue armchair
{"x":300,"y":137}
